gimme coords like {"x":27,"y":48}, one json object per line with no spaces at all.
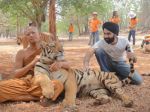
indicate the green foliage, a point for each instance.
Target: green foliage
{"x":75,"y":11}
{"x":84,"y":7}
{"x":33,"y":10}
{"x":45,"y":26}
{"x":78,"y":11}
{"x":62,"y":26}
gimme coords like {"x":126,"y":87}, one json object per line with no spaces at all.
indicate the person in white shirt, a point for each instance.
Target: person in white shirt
{"x":110,"y":53}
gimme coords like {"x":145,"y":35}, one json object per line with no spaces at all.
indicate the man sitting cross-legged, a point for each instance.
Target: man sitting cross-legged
{"x":22,"y":88}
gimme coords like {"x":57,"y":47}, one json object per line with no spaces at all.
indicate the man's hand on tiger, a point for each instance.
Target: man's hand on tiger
{"x":55,"y":66}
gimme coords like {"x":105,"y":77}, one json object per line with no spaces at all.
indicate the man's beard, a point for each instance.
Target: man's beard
{"x":109,"y":40}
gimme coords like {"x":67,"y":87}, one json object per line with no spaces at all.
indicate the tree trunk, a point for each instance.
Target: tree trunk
{"x":39,"y":24}
{"x":145,"y":18}
{"x":17,"y":25}
{"x":52,"y":18}
{"x":86,"y":31}
{"x":78,"y":24}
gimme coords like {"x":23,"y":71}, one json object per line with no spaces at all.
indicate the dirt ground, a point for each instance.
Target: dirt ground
{"x":74,"y":53}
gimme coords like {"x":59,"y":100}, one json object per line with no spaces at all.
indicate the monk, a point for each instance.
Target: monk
{"x":21,"y":87}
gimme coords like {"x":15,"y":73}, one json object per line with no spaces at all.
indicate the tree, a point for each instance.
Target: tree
{"x":34,"y":10}
{"x":52,"y":17}
{"x":79,"y":11}
{"x":145,"y":15}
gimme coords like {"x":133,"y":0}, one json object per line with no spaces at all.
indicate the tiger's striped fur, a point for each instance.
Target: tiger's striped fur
{"x":95,"y":83}
{"x":52,"y":51}
{"x":40,"y":73}
{"x":132,"y":70}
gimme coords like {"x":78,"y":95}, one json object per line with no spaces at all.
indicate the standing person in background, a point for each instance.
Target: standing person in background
{"x":71,"y":30}
{"x":132,"y":26}
{"x":115,"y":18}
{"x":94,"y":26}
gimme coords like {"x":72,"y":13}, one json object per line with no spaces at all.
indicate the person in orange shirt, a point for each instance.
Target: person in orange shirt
{"x":132,"y":26}
{"x":94,"y":26}
{"x":115,"y":18}
{"x":71,"y":30}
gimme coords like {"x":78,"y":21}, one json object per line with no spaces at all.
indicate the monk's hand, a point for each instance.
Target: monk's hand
{"x":55,"y":66}
{"x":35,"y":60}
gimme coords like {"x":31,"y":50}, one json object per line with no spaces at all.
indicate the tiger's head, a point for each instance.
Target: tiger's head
{"x":51,"y":51}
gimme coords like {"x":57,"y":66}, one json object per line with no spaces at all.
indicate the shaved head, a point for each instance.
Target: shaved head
{"x":31,"y":28}
{"x":32,"y":34}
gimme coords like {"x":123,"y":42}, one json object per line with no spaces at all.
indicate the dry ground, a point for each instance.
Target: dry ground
{"x":74,"y":53}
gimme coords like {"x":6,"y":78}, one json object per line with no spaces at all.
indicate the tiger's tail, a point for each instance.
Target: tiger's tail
{"x":145,"y":74}
{"x":132,"y":70}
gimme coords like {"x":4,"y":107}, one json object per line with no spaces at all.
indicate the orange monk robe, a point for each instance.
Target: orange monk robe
{"x":23,"y":89}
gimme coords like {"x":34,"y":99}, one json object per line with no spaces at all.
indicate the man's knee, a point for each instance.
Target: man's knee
{"x":137,"y":79}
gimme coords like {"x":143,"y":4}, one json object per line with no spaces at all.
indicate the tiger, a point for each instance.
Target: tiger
{"x":40,"y":76}
{"x":94,"y":83}
{"x":52,"y":51}
{"x":22,"y":39}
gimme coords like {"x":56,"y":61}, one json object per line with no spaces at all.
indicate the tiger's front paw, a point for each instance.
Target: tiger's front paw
{"x":48,"y":93}
{"x":102,"y":100}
